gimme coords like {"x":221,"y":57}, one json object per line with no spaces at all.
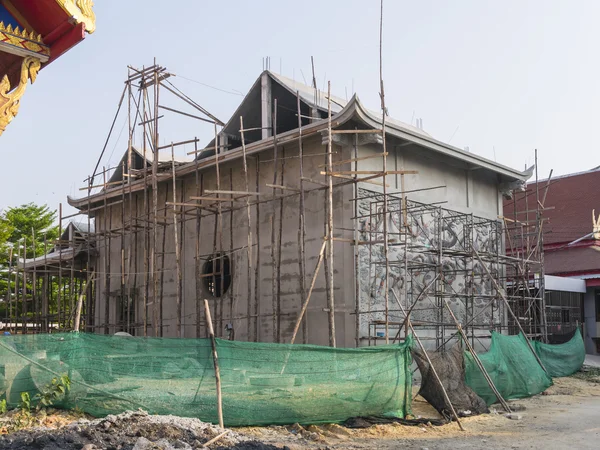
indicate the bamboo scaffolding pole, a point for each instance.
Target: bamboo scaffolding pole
{"x":122,"y":307}
{"x":515,"y":318}
{"x":357,"y":296}
{"x":155,"y":280}
{"x":45,"y":285}
{"x":219,"y":235}
{"x":351,"y":160}
{"x":146,"y":205}
{"x":130,"y":205}
{"x":310,"y":290}
{"x":257,"y":290}
{"x":179,"y":329}
{"x":24,"y":295}
{"x":162,"y":259}
{"x":274,"y":297}
{"x":106,"y":258}
{"x":83,"y":288}
{"x":279,"y":250}
{"x":301,"y":221}
{"x":59,"y":292}
{"x":198,"y":269}
{"x":357,"y":131}
{"x":213,"y":342}
{"x":248,"y":214}
{"x":377,"y":173}
{"x":34,"y":283}
{"x":232,"y":296}
{"x":478,"y":363}
{"x":329,"y":262}
{"x":9,"y":299}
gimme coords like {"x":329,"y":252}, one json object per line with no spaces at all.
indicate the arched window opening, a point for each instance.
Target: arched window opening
{"x":215,"y":280}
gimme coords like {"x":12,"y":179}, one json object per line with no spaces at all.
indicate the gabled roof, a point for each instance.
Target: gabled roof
{"x":351,"y":113}
{"x":76,"y":233}
{"x":353,"y":109}
{"x":138,"y":158}
{"x":337,"y":104}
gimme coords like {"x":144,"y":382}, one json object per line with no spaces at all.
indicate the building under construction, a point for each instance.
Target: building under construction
{"x":308,"y":218}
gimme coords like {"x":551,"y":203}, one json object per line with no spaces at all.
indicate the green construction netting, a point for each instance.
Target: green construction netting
{"x":512,"y":367}
{"x":561,"y":360}
{"x":261,"y":383}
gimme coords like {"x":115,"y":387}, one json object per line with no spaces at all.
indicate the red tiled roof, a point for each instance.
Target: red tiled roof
{"x":572,"y":260}
{"x":573,"y":198}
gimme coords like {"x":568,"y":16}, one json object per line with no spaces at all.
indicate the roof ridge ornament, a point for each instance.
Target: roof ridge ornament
{"x":81,"y":11}
{"x":595,"y":225}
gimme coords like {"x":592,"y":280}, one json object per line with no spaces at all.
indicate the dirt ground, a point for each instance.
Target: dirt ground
{"x":567,"y":415}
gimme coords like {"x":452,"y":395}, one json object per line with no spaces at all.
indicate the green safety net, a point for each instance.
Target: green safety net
{"x":561,"y":360}
{"x":512,"y":367}
{"x":261,"y":383}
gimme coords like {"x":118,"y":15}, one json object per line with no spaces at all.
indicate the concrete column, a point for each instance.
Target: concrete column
{"x":266,"y":101}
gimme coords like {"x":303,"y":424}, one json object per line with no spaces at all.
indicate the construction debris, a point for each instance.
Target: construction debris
{"x":132,"y":430}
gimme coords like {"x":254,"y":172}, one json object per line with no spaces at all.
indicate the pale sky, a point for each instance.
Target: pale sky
{"x":502,"y":78}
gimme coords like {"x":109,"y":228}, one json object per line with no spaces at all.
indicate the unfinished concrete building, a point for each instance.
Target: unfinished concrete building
{"x":298,"y":201}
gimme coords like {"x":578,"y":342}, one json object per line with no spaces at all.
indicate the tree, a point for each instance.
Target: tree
{"x":18,"y":225}
{"x":24,"y":221}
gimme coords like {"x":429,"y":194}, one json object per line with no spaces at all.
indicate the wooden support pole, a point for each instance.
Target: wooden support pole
{"x":249,"y":250}
{"x":59,"y":295}
{"x":515,"y":318}
{"x":232,"y":296}
{"x":280,"y":246}
{"x":24,"y":295}
{"x":162,"y":261}
{"x":377,"y":173}
{"x":310,"y":289}
{"x":45,"y":286}
{"x":123,"y":302}
{"x":146,"y":215}
{"x":478,"y":362}
{"x":82,"y":290}
{"x":274,"y":298}
{"x":35,"y":311}
{"x":331,"y":287}
{"x":353,"y":160}
{"x":257,"y":265}
{"x":197,"y":265}
{"x":155,"y":278}
{"x":9,"y":300}
{"x":219,"y":234}
{"x":357,"y":290}
{"x":301,"y":219}
{"x":177,"y":250}
{"x":435,"y":374}
{"x":356,"y":131}
{"x":213,"y":342}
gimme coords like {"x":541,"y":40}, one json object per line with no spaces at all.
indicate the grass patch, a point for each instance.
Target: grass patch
{"x":590,"y":374}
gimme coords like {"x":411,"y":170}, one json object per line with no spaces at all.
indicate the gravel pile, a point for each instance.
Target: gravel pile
{"x":130,"y":431}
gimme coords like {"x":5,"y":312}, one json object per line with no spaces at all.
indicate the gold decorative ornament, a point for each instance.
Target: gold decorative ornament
{"x":10,"y":101}
{"x":81,"y":11}
{"x":23,"y":43}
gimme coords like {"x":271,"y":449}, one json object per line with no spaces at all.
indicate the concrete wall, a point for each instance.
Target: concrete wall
{"x":464,"y":190}
{"x":233,"y":306}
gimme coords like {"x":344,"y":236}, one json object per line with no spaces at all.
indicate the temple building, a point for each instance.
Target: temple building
{"x":33,"y":33}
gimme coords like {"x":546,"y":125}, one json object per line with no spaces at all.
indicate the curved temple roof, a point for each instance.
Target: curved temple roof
{"x":351,"y":112}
